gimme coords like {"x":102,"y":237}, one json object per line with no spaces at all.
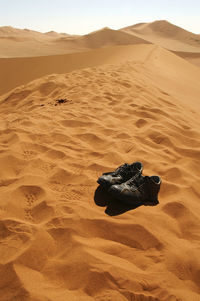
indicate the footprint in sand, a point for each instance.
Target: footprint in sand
{"x":28,"y":154}
{"x":30,"y":199}
{"x":30,"y":195}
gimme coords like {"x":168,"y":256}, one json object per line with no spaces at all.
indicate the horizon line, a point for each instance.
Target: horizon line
{"x":76,"y":34}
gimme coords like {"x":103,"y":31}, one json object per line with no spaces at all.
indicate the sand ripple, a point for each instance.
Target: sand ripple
{"x":60,"y":241}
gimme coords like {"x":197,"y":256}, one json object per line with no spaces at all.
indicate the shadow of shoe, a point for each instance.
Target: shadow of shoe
{"x":101,"y":196}
{"x":114,"y":207}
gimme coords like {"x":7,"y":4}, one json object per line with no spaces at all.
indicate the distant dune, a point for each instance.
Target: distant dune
{"x":166,"y":35}
{"x":27,"y":43}
{"x":8,"y":31}
{"x":62,"y":237}
{"x":109,"y":37}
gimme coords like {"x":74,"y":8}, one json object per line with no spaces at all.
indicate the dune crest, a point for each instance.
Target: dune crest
{"x":167,"y":35}
{"x":109,"y":37}
{"x":29,"y":43}
{"x":18,"y":71}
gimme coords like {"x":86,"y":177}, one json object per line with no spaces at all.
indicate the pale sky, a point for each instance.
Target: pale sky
{"x":84,"y":16}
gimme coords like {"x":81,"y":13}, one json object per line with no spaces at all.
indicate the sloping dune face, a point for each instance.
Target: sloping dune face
{"x":19,"y":71}
{"x":61,"y":238}
{"x":109,"y":37}
{"x":166,"y":35}
{"x":192,"y":57}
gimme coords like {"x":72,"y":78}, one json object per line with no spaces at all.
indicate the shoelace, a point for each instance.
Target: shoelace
{"x":123,"y":169}
{"x":144,"y":186}
{"x":138,"y":180}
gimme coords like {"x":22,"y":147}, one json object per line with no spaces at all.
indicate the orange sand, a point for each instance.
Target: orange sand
{"x":61,"y":240}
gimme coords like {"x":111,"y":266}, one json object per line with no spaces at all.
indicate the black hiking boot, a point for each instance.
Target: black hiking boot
{"x":121,"y":174}
{"x":139,"y":189}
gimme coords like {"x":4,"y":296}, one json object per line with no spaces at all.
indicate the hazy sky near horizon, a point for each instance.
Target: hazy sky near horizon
{"x":84,"y":16}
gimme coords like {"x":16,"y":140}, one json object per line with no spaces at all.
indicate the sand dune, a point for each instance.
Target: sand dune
{"x":166,"y":35}
{"x":26,"y":43}
{"x":192,"y":57}
{"x":19,"y":71}
{"x":109,"y":37}
{"x":61,"y":240}
{"x":9,"y":32}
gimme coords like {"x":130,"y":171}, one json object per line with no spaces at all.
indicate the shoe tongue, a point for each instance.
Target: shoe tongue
{"x":135,"y":180}
{"x":122,"y":168}
{"x":136,"y":166}
{"x":133,"y":168}
{"x":139,"y":179}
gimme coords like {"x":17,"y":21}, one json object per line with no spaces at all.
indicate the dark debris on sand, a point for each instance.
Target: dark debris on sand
{"x":61,"y":101}
{"x":58,"y":102}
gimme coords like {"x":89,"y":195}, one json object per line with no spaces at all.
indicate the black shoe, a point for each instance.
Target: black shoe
{"x":121,"y":174}
{"x":139,"y":189}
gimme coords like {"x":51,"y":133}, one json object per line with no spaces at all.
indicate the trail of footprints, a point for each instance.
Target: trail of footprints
{"x":116,"y":107}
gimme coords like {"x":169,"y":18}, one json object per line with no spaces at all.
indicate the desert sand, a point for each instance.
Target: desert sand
{"x":26,"y":55}
{"x":62,"y":238}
